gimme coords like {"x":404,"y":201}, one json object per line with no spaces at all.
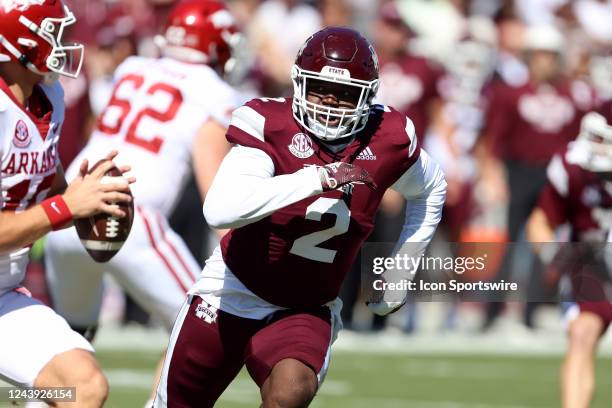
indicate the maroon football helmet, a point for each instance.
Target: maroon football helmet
{"x":203,"y":32}
{"x":31,"y":33}
{"x":341,"y":56}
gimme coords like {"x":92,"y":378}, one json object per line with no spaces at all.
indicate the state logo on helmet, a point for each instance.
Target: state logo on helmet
{"x":343,"y":57}
{"x":31,"y":33}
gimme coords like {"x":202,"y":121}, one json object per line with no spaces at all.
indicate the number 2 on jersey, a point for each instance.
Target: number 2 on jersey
{"x":123,"y":107}
{"x":306,"y":246}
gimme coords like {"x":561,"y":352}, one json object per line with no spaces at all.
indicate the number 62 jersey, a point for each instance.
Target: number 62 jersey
{"x":153,"y":115}
{"x":297,"y":253}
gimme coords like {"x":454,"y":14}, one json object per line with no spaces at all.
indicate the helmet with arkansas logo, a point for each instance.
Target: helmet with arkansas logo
{"x":335,"y":77}
{"x":201,"y":32}
{"x":31,"y":33}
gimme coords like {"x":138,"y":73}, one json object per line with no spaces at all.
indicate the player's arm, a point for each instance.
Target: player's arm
{"x":245,"y":189}
{"x":540,"y":233}
{"x":18,"y":230}
{"x":539,"y":228}
{"x":32,"y":223}
{"x":548,"y":215}
{"x":424,"y":187}
{"x":85,"y":196}
{"x":210,"y":147}
{"x":550,"y":212}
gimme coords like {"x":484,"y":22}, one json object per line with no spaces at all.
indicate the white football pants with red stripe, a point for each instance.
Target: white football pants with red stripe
{"x":154,"y":266}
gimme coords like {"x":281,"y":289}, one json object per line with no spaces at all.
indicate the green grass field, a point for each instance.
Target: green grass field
{"x":358,"y":380}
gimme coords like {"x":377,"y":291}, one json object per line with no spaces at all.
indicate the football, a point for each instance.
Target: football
{"x":103,"y":235}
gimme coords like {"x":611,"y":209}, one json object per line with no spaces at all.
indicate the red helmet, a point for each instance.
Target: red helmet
{"x":341,"y":56}
{"x":201,"y":31}
{"x":31,"y":33}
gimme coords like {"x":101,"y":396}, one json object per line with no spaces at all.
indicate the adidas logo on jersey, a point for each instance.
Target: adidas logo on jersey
{"x":366,"y":154}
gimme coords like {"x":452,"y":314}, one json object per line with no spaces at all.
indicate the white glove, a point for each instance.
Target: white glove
{"x":387,"y":302}
{"x":384,"y":308}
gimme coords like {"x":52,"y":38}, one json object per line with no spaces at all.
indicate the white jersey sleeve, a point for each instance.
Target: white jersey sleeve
{"x":424,"y":187}
{"x":558,"y":176}
{"x":245,"y":189}
{"x":223,"y":101}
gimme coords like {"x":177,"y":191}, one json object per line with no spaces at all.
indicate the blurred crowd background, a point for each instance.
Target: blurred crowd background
{"x":494,"y":87}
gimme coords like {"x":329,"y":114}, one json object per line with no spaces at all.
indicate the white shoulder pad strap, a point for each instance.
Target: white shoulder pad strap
{"x":250,"y":121}
{"x":557,"y":175}
{"x":411,"y":132}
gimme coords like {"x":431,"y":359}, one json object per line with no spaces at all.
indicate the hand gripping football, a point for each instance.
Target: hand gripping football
{"x":103,"y":235}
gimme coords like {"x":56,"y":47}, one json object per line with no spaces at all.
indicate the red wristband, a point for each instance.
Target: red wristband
{"x":57,"y":211}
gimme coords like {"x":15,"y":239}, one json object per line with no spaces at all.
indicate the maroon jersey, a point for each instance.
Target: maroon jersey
{"x":410,"y":85}
{"x":299,"y":255}
{"x":584,"y":201}
{"x":605,"y":109}
{"x":530,"y":123}
{"x":578,"y":197}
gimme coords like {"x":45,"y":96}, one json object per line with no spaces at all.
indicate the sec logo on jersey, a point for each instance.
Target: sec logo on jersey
{"x":22,"y":136}
{"x":301,"y":146}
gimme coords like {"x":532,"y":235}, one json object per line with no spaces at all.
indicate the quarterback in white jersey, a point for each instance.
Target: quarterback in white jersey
{"x":37,"y":347}
{"x":165,"y":115}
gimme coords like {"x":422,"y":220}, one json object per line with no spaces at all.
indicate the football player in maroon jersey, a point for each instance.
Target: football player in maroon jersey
{"x":524,"y":126}
{"x":299,"y":191}
{"x":579,"y":193}
{"x":37,"y":347}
